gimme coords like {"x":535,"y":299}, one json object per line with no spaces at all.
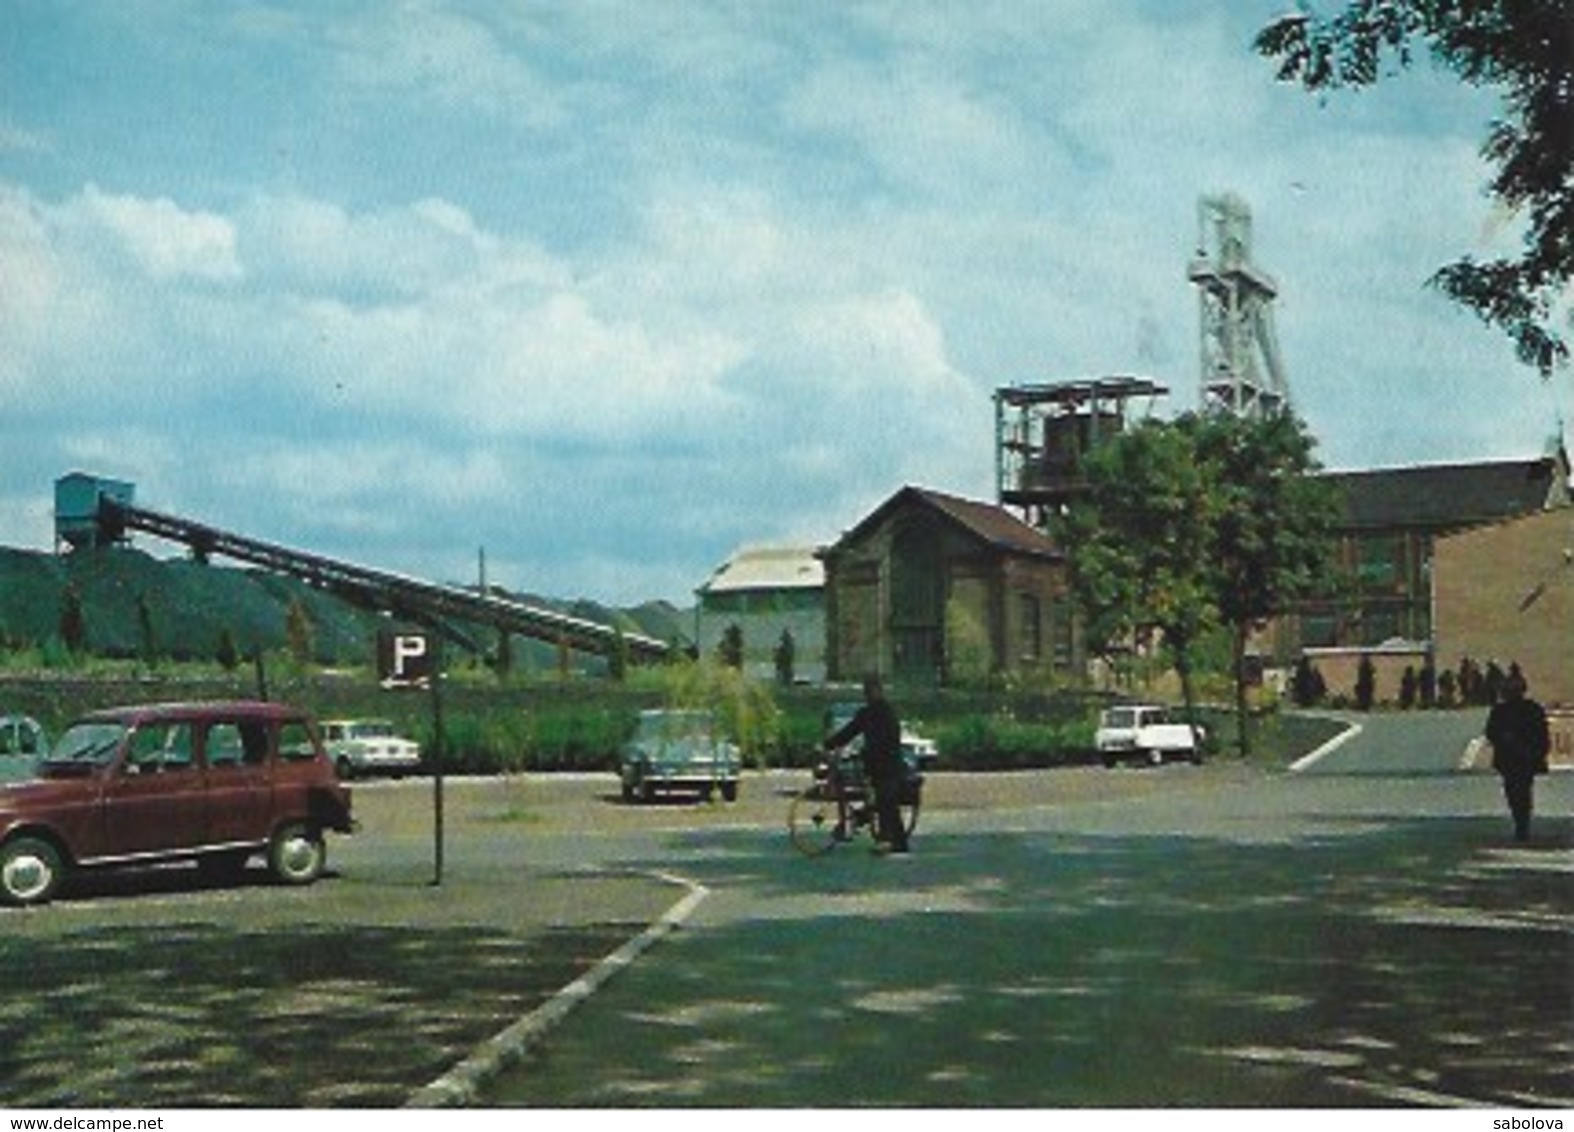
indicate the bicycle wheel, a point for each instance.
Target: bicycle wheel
{"x":811,"y":820}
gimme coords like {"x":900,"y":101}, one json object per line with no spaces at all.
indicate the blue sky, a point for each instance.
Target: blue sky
{"x":611,"y":288}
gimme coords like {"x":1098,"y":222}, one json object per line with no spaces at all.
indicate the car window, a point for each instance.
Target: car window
{"x":674,"y":725}
{"x":19,"y":737}
{"x":159,"y":747}
{"x":295,"y":742}
{"x":237,"y":743}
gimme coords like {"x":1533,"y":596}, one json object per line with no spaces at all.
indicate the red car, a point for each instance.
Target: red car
{"x":215,"y":782}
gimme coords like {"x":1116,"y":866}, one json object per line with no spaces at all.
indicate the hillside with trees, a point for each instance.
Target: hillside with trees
{"x":123,"y":603}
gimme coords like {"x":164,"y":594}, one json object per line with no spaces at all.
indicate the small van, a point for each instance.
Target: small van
{"x":218,"y":783}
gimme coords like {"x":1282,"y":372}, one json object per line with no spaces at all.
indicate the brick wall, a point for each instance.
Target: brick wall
{"x":1505,"y":592}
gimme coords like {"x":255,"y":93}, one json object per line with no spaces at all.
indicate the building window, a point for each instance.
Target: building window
{"x":1380,"y":564}
{"x":1062,"y":623}
{"x":1032,"y":626}
{"x":1319,"y":629}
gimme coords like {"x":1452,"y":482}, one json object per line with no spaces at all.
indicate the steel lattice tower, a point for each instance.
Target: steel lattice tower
{"x":1241,"y":369}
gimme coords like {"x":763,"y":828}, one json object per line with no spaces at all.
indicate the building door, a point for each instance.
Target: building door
{"x":917,"y":602}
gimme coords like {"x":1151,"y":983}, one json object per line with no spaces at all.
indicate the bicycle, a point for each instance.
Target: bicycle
{"x":839,"y":803}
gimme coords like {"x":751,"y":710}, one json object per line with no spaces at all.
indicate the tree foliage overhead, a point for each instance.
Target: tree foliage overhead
{"x":1524,"y":49}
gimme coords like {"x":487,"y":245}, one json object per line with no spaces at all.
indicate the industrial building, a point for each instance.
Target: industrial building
{"x":1426,"y":559}
{"x":931,"y":588}
{"x":767,"y":594}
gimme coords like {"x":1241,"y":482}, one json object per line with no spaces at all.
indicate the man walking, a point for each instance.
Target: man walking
{"x":1517,"y":730}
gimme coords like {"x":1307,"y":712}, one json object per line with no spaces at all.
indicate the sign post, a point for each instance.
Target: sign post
{"x":412,"y":660}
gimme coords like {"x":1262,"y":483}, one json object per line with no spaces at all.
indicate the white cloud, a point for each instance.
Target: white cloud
{"x":615,"y":287}
{"x":165,"y":240}
{"x":427,"y":48}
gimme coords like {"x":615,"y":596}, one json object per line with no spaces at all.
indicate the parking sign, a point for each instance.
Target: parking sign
{"x":404,"y":660}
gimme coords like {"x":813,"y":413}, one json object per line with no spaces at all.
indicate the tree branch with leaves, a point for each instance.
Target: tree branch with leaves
{"x":1521,"y":48}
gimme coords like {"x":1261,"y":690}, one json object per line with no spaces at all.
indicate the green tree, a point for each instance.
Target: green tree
{"x":786,"y":658}
{"x":1521,"y":48}
{"x":504,"y":664}
{"x":1271,"y":540}
{"x":1138,"y":545}
{"x":298,"y":633}
{"x":730,"y":649}
{"x":73,"y":620}
{"x":146,"y":634}
{"x":618,"y":658}
{"x":228,"y":652}
{"x":967,"y":652}
{"x":1365,"y":684}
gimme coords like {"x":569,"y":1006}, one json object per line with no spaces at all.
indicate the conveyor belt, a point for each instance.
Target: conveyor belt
{"x":379,"y":589}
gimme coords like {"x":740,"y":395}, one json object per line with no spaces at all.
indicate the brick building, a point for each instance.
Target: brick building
{"x":931,"y":588}
{"x":1427,"y":561}
{"x":1505,"y":592}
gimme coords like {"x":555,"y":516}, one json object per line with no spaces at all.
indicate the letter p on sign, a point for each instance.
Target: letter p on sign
{"x":404,"y":660}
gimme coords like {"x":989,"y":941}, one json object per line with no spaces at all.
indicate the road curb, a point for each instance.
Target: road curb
{"x":461,"y":1086}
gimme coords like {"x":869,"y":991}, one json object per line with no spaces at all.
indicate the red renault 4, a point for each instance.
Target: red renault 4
{"x":215,"y":782}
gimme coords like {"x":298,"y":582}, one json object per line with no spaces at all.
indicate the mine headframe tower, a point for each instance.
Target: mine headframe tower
{"x":1044,"y":432}
{"x":1241,"y":369}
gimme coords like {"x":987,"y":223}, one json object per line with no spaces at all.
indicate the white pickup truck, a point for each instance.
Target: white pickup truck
{"x":1146,"y":732}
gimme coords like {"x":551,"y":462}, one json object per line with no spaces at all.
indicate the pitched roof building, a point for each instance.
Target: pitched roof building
{"x":769,"y":595}
{"x":933,"y":588}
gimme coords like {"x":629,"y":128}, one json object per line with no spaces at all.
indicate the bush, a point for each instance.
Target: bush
{"x":576,"y":737}
{"x":996,"y":742}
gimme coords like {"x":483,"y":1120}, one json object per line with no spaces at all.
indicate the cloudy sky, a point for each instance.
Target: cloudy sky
{"x":611,"y":287}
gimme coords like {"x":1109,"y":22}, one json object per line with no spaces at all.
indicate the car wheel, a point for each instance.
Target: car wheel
{"x":345,"y":768}
{"x":1109,"y":761}
{"x":729,"y":791}
{"x":297,"y":854}
{"x":1154,"y":757}
{"x":30,"y":871}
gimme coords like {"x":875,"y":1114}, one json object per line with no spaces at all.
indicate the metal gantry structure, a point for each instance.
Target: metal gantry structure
{"x":1242,"y":372}
{"x":1044,"y":432}
{"x":91,"y":511}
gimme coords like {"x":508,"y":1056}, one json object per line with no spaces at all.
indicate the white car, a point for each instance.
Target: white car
{"x":360,"y":747}
{"x":1146,"y":732}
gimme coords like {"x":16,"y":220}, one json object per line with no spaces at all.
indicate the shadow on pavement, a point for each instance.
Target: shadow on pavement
{"x":1423,"y":963}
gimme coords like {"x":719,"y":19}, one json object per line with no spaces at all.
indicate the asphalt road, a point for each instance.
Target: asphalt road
{"x":1359,"y":933}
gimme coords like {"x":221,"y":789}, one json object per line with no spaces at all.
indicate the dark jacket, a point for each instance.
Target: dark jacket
{"x":882,"y":732}
{"x":1517,"y":730}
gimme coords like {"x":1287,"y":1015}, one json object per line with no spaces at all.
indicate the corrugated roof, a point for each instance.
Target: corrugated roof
{"x":768,"y":568}
{"x":1448,"y":495}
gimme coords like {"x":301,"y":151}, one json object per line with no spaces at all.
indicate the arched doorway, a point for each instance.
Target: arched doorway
{"x":917,"y":601}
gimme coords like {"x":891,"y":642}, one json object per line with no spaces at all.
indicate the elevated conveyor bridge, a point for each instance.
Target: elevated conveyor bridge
{"x":92,"y":511}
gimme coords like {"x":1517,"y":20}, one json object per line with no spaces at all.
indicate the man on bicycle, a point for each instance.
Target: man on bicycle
{"x":876,"y":721}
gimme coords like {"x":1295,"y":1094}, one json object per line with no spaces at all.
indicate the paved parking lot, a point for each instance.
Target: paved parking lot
{"x":363,"y":989}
